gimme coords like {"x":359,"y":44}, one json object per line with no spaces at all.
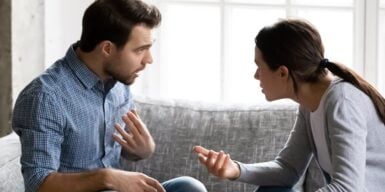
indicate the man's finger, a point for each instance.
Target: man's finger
{"x":155,"y":184}
{"x":138,"y":123}
{"x":122,"y":132}
{"x":127,"y":137}
{"x":134,"y":112}
{"x":132,"y":128}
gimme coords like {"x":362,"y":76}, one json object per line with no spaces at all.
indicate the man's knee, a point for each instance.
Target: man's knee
{"x":274,"y":189}
{"x":184,"y":184}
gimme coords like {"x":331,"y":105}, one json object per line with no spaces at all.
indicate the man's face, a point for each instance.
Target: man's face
{"x":125,"y":64}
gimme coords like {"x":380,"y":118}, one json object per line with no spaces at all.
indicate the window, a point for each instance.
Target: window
{"x":381,"y":52}
{"x":238,"y":59}
{"x":191,"y":58}
{"x":206,"y":47}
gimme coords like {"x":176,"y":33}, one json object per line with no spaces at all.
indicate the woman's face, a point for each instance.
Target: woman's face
{"x":273,"y":83}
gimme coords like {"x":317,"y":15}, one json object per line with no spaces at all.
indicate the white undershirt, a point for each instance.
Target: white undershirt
{"x":317,"y":123}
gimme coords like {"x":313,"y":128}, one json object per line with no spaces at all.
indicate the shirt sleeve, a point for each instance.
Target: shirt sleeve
{"x":290,"y":163}
{"x":38,"y":120}
{"x":347,"y":131}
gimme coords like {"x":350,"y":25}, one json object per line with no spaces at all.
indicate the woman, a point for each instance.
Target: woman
{"x":340,"y":120}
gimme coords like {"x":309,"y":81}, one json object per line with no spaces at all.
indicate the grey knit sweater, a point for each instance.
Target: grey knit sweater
{"x":355,"y":136}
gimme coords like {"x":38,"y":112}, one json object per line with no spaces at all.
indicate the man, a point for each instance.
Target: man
{"x":77,"y":119}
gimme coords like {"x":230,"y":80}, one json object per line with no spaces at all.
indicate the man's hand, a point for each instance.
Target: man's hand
{"x":124,"y":181}
{"x":137,"y":140}
{"x":218,"y":163}
{"x":99,"y":180}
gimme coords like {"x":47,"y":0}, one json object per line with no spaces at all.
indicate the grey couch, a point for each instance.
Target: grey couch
{"x":249,"y":132}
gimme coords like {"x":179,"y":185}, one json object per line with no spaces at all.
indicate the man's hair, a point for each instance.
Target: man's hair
{"x":113,"y":20}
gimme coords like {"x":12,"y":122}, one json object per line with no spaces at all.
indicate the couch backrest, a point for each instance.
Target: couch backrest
{"x":250,"y":133}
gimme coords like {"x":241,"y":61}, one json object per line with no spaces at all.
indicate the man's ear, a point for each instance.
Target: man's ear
{"x":283,"y":71}
{"x":106,"y":47}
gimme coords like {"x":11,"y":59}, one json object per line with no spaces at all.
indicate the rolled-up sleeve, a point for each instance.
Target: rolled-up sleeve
{"x":39,"y":122}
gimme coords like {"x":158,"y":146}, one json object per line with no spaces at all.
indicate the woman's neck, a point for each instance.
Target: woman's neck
{"x":310,"y":94}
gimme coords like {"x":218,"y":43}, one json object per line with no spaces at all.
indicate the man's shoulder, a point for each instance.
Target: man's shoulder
{"x":51,"y":81}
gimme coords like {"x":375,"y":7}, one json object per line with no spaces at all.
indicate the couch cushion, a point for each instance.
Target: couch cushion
{"x":249,"y":132}
{"x":10,"y":174}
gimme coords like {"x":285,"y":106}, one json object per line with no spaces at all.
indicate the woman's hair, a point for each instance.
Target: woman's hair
{"x":297,"y":45}
{"x":113,"y":20}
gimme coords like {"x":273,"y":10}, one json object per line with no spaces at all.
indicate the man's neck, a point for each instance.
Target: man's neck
{"x":93,"y":61}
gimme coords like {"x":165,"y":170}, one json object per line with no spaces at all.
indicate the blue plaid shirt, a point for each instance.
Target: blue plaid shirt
{"x":65,"y":119}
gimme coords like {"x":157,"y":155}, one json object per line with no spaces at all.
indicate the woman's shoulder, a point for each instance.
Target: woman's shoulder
{"x":343,"y":90}
{"x":342,"y":93}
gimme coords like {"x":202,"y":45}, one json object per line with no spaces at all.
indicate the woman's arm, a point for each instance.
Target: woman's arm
{"x":347,"y":131}
{"x":290,"y":163}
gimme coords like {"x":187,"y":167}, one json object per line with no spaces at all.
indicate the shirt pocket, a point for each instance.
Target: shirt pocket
{"x":120,"y":110}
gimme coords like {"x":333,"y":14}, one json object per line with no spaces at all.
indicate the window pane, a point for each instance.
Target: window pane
{"x":240,"y":84}
{"x":344,"y":3}
{"x":190,"y":51}
{"x":381,"y":53}
{"x":336,"y":29}
{"x":267,"y":2}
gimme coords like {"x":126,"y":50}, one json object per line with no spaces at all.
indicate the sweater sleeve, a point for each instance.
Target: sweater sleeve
{"x":347,"y":131}
{"x":290,"y":163}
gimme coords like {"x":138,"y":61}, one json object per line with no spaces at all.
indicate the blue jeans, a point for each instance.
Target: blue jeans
{"x":274,"y":189}
{"x":184,"y":184}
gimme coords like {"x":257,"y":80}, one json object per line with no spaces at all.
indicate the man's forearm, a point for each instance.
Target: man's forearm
{"x":86,"y":181}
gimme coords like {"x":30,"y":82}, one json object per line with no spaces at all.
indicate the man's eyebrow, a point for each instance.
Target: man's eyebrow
{"x":146,"y":46}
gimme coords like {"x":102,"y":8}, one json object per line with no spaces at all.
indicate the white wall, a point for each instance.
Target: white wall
{"x":42,"y":31}
{"x":63,"y":20}
{"x":27,"y":42}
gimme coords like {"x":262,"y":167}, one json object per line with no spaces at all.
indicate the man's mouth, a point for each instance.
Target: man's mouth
{"x":139,"y":72}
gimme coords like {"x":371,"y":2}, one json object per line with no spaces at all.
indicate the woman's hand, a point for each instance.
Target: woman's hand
{"x":218,"y":163}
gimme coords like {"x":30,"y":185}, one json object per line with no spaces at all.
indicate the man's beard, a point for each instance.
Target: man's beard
{"x":121,"y":78}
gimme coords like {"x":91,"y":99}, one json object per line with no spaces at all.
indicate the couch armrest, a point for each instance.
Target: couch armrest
{"x":10,"y":174}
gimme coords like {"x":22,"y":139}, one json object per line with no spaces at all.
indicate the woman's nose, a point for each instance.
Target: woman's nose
{"x":256,"y":75}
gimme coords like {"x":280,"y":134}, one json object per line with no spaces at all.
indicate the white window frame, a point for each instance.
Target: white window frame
{"x":370,"y":64}
{"x":366,"y":48}
{"x":381,"y":66}
{"x":365,"y":61}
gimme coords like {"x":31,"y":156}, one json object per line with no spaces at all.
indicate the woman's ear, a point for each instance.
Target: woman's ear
{"x":283,"y":71}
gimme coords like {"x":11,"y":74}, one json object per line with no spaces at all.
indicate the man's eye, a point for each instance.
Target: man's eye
{"x":140,"y":50}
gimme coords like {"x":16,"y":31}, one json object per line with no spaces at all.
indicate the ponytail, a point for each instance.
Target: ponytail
{"x":359,"y":82}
